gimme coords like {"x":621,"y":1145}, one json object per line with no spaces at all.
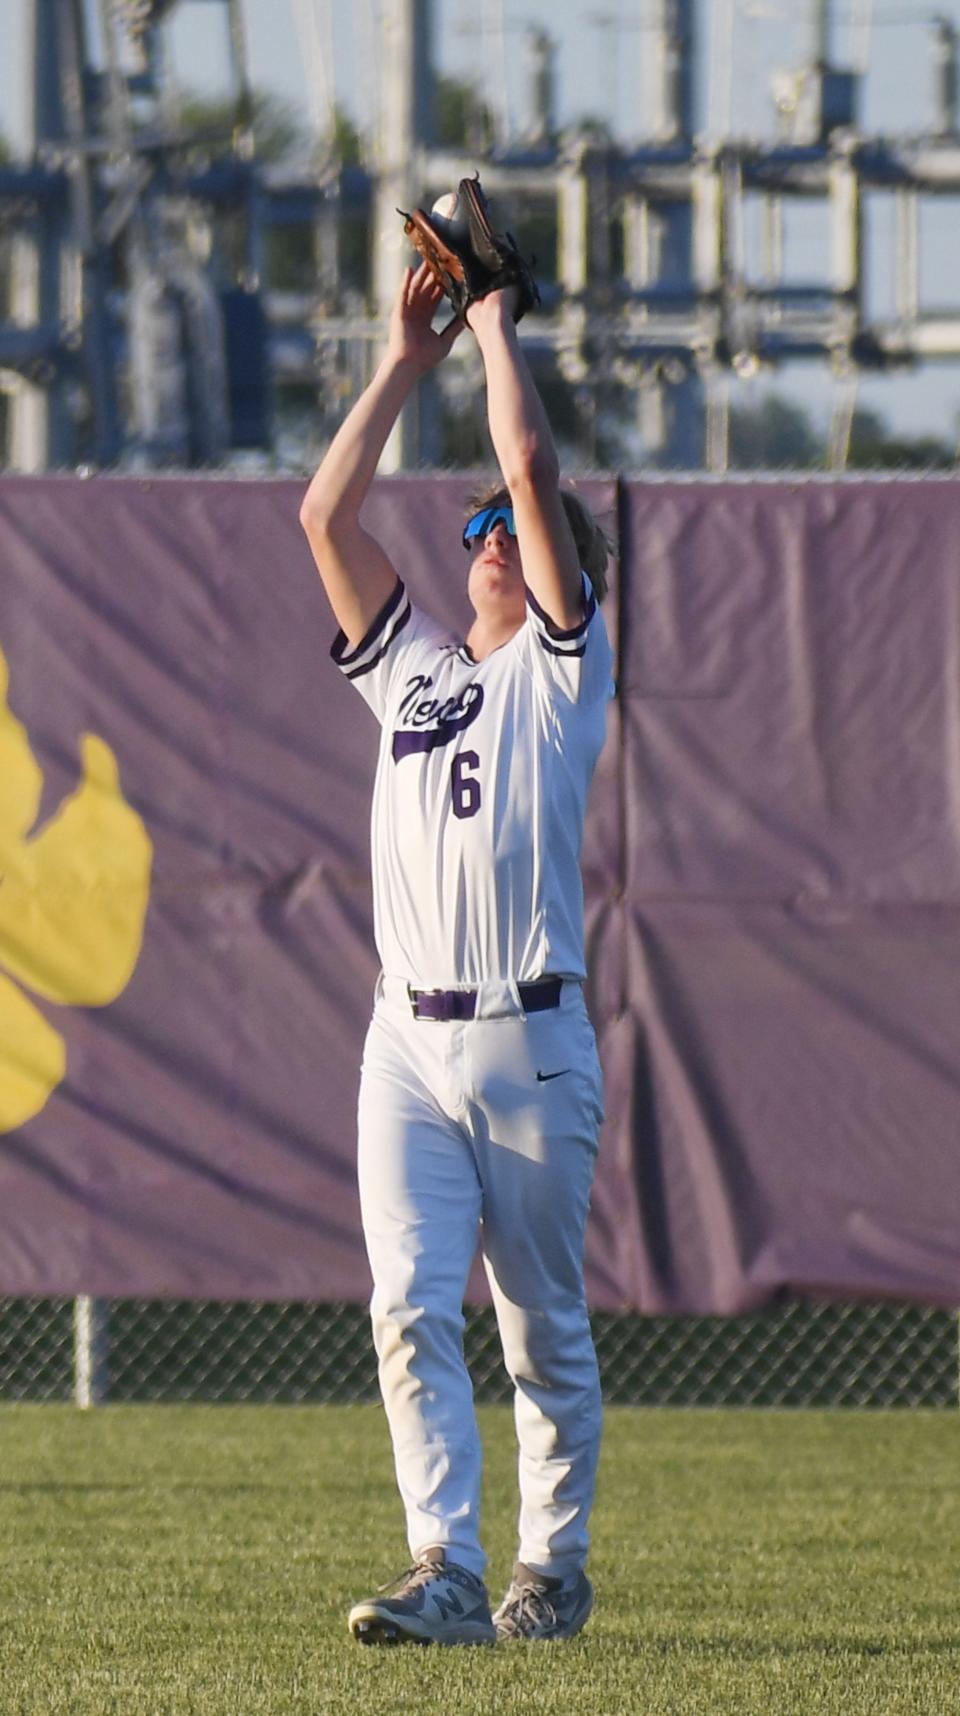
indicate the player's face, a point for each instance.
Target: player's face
{"x":496,"y":576}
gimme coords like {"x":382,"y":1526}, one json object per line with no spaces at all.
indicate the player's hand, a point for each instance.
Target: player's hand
{"x":493,"y":310}
{"x":412,"y":339}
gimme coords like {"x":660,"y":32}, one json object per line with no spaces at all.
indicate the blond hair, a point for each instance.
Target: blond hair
{"x":592,"y":544}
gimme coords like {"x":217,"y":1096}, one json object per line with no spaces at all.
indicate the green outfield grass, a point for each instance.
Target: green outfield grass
{"x":199,"y":1561}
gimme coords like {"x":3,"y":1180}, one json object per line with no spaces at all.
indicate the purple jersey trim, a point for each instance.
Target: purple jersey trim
{"x":553,"y":629}
{"x":368,"y":666}
{"x":342,"y":655}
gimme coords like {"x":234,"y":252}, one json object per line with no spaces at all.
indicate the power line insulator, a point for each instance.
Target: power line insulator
{"x":139,"y":16}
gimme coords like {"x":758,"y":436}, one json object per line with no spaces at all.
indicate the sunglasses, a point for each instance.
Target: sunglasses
{"x":483,"y":522}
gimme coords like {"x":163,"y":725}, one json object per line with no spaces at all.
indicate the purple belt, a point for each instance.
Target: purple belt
{"x":446,"y":1005}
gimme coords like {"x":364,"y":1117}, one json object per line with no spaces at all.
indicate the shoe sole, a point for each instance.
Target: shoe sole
{"x":369,"y":1627}
{"x":381,"y":1633}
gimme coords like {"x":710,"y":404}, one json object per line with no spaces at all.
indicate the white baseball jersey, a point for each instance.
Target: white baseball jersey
{"x":480,"y":792}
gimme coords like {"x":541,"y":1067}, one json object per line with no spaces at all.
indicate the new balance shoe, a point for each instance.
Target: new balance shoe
{"x":539,"y":1608}
{"x":435,"y":1602}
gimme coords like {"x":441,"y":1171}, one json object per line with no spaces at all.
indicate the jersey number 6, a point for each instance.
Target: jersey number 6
{"x":464,"y":787}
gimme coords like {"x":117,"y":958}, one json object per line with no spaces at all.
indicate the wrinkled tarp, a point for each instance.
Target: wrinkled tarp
{"x":772,"y":874}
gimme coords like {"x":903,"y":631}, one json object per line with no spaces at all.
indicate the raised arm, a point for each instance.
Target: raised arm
{"x":528,"y":462}
{"x":357,"y":575}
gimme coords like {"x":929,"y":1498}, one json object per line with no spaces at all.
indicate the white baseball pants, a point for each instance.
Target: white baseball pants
{"x":487,"y":1127}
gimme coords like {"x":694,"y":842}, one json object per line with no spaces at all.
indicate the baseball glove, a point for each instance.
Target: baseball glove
{"x":466,"y":257}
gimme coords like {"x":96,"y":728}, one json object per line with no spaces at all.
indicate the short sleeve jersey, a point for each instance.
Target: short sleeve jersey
{"x":480,"y":792}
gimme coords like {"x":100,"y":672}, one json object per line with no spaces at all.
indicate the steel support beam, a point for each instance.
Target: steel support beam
{"x":406,"y":125}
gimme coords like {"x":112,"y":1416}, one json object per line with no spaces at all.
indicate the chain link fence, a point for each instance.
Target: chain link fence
{"x":798,"y":1355}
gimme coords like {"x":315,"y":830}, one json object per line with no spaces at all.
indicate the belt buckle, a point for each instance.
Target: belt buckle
{"x":416,"y":995}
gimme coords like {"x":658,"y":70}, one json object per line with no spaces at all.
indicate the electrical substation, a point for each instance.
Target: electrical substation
{"x":143,"y":329}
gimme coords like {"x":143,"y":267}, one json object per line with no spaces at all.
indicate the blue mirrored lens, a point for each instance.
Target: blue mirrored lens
{"x":482,"y":522}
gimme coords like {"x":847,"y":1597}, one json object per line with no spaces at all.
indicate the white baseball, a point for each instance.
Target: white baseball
{"x":445,"y":205}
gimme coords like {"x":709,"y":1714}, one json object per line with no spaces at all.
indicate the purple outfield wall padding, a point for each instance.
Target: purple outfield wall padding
{"x":792,"y":894}
{"x":771,"y":865}
{"x":186,"y":950}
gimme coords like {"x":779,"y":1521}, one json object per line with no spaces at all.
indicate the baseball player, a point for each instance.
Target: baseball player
{"x":480,"y":1097}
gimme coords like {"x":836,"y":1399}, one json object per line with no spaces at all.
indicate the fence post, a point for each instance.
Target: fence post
{"x":90,"y":1350}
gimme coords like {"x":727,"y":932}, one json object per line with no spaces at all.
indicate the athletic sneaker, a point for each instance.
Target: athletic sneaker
{"x":539,"y":1608}
{"x":435,"y":1602}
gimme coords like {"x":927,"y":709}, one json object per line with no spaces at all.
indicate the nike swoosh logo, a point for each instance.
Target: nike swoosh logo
{"x":542,"y":1078}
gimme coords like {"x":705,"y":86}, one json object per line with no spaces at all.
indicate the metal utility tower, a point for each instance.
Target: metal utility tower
{"x":404,"y":137}
{"x":945,"y":37}
{"x":49,"y":330}
{"x":105,"y":210}
{"x":540,"y":54}
{"x":672,"y":416}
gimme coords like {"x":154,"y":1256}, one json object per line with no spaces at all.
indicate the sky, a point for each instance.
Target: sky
{"x":601,"y":69}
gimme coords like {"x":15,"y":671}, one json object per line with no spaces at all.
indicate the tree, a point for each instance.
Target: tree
{"x":462,"y":118}
{"x":774,"y":434}
{"x":277,"y":125}
{"x":347,"y":141}
{"x":873,"y":447}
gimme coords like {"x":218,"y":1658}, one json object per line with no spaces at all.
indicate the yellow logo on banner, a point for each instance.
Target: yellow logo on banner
{"x":73,"y":898}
